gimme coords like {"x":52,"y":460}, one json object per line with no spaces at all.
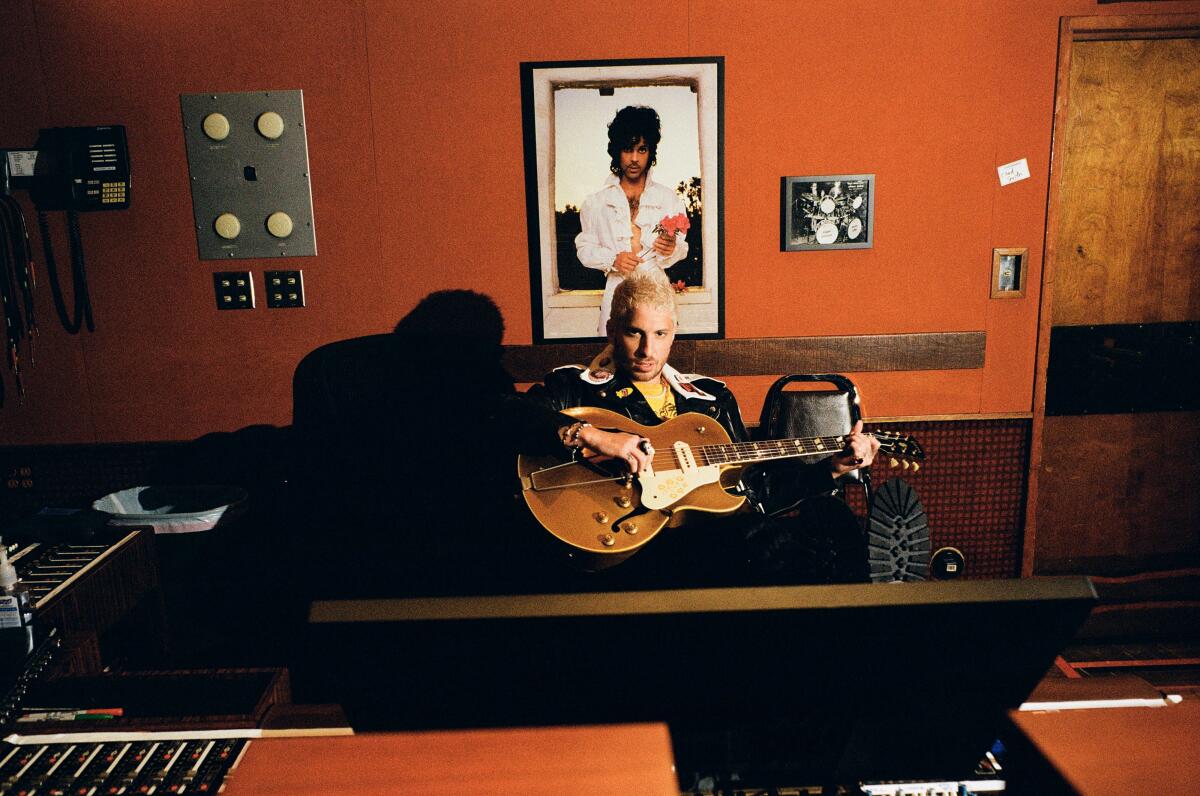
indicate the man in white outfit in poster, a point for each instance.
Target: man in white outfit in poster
{"x":623,"y":228}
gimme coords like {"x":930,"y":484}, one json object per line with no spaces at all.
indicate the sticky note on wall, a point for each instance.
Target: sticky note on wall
{"x":1013,"y":172}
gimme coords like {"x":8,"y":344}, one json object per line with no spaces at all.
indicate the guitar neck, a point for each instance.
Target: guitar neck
{"x":769,"y":450}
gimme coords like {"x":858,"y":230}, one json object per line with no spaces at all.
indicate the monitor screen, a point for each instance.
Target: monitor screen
{"x":853,"y":682}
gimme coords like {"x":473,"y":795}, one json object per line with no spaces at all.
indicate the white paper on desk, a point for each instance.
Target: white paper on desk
{"x":1013,"y":172}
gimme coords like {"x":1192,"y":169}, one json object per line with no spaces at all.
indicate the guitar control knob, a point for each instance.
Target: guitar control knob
{"x":701,"y":429}
{"x":607,"y":540}
{"x":624,"y":502}
{"x":600,"y":517}
{"x":628,"y":527}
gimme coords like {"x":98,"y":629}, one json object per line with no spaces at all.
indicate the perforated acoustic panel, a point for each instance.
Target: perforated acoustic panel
{"x":72,"y":476}
{"x":972,"y":486}
{"x":248,"y":159}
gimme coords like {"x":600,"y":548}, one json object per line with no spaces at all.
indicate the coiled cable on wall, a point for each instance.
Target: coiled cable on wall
{"x":17,"y":283}
{"x":83,"y":303}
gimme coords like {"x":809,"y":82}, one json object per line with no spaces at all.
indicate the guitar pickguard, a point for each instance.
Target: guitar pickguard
{"x":663,"y":488}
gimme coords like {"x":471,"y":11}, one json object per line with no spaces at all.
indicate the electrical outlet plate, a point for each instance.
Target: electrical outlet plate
{"x":235,"y":290}
{"x":285,"y":289}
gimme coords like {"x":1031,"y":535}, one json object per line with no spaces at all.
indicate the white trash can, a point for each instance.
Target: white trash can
{"x":173,"y":509}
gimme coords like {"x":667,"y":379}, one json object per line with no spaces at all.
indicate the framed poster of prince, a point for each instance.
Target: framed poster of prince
{"x":623,"y":173}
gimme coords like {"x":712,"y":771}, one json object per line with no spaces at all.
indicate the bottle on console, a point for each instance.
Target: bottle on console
{"x":16,"y":612}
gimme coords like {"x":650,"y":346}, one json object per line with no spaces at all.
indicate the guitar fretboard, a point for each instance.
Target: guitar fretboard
{"x":767,"y":450}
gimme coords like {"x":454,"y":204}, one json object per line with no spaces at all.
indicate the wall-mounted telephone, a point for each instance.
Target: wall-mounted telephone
{"x":74,"y":169}
{"x":81,"y":168}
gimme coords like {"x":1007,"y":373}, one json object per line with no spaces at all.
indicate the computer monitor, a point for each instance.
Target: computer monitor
{"x":804,"y":683}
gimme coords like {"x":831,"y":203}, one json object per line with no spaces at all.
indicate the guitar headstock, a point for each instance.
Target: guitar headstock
{"x":899,"y":450}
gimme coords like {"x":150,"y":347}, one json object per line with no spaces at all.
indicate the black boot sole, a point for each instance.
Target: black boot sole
{"x":898,"y":544}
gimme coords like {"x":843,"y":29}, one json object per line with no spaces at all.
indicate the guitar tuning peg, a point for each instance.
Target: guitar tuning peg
{"x":893,"y":463}
{"x":916,"y":466}
{"x":904,"y":464}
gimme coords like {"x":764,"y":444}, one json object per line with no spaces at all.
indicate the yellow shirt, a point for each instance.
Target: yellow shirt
{"x":659,"y":396}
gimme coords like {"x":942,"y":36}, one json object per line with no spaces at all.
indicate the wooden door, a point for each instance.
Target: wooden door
{"x":1115,"y":485}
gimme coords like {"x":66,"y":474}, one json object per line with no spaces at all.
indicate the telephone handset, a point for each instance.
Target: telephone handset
{"x":74,"y":169}
{"x":81,"y":168}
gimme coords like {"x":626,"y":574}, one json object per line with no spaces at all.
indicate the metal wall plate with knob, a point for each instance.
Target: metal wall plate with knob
{"x":248,"y":163}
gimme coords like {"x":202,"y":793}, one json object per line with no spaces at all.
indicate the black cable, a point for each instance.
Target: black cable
{"x":78,"y":270}
{"x":22,"y":257}
{"x":70,"y":324}
{"x":26,"y":275}
{"x":13,"y":325}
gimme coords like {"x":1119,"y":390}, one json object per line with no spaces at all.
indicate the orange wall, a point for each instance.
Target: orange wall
{"x":414,"y":134}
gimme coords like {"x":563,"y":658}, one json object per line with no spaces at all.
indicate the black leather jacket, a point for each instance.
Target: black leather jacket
{"x":769,"y":488}
{"x":564,"y":389}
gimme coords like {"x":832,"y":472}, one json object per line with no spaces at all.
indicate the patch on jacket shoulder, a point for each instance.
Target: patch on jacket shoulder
{"x":596,"y":376}
{"x":688,"y":378}
{"x":683,"y":383}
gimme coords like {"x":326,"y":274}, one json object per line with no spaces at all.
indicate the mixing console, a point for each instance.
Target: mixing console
{"x":115,"y":767}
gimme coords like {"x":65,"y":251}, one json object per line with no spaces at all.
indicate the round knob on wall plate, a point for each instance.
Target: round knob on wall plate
{"x":270,"y":125}
{"x":216,"y":126}
{"x":279,"y":224}
{"x":227,"y":226}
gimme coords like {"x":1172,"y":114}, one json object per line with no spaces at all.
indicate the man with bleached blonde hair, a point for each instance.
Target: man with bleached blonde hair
{"x":636,"y":380}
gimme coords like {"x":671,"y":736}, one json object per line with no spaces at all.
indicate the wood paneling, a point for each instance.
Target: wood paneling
{"x":779,"y":355}
{"x":1113,"y":752}
{"x":1118,"y":487}
{"x":611,"y":760}
{"x":1122,"y":247}
{"x":1129,"y":240}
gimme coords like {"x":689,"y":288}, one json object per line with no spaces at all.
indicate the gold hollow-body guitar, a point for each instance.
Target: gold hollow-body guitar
{"x":604,"y":514}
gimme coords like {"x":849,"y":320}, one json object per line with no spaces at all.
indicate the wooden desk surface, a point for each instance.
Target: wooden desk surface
{"x":558,"y":761}
{"x":1120,"y":750}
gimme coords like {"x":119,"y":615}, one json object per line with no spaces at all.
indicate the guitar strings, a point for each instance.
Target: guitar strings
{"x":749,"y":452}
{"x":763,"y":450}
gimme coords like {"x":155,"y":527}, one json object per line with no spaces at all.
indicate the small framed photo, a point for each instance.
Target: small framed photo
{"x":828,"y":212}
{"x":1008,"y":272}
